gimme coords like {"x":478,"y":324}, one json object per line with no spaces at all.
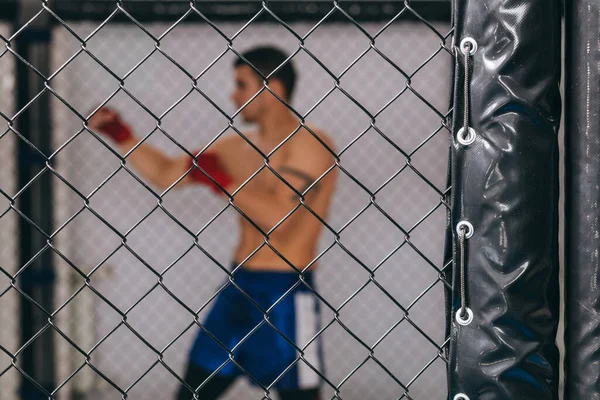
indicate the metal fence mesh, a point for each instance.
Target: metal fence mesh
{"x":382,"y":291}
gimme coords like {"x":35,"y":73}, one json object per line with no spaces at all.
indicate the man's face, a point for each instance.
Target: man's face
{"x":247,"y":84}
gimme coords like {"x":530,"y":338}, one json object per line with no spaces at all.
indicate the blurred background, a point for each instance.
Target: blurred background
{"x":65,"y":195}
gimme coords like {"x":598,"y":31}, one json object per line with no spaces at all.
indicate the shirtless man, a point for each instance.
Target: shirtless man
{"x":264,"y":276}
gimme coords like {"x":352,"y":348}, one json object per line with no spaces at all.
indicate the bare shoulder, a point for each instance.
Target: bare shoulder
{"x":230,"y":142}
{"x":315,"y":141}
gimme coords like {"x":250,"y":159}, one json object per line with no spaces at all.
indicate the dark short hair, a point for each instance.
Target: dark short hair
{"x":267,"y":59}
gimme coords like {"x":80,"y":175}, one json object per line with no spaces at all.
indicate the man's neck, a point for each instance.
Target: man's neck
{"x":277,"y":125}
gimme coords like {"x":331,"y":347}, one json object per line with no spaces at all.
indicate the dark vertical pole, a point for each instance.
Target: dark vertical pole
{"x":36,"y":202}
{"x":582,"y":199}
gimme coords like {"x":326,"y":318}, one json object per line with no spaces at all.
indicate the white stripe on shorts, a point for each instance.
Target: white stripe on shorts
{"x":306,"y":328}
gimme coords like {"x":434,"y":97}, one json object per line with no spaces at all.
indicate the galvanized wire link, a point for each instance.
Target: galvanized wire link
{"x":152,"y":278}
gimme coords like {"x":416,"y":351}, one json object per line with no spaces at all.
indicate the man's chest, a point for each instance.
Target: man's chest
{"x":247,"y":164}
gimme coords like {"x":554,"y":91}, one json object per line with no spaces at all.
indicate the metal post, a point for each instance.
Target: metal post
{"x":582,"y":194}
{"x":36,"y":281}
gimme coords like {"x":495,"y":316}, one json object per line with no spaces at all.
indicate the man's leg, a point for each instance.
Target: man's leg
{"x":225,"y":323}
{"x":194,"y":377}
{"x":310,"y":394}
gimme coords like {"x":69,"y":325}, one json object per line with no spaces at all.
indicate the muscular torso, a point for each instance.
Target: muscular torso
{"x":298,"y":244}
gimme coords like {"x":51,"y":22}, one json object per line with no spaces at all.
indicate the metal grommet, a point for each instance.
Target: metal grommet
{"x":467,"y":139}
{"x":461,"y":396}
{"x":464,"y":321}
{"x":465,"y":224}
{"x":472,"y":42}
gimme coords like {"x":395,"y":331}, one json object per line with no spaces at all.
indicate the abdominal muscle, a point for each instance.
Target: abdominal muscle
{"x":298,"y":249}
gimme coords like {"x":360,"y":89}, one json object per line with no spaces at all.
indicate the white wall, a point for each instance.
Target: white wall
{"x":9,"y":298}
{"x":122,"y":202}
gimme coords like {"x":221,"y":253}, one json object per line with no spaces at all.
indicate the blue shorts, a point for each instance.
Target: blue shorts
{"x":265,"y":354}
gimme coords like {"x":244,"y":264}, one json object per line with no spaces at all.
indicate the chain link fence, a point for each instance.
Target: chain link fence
{"x":380,"y":90}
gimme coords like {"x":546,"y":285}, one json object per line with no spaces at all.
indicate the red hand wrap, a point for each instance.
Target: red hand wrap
{"x":116,"y":130}
{"x":211,"y":164}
